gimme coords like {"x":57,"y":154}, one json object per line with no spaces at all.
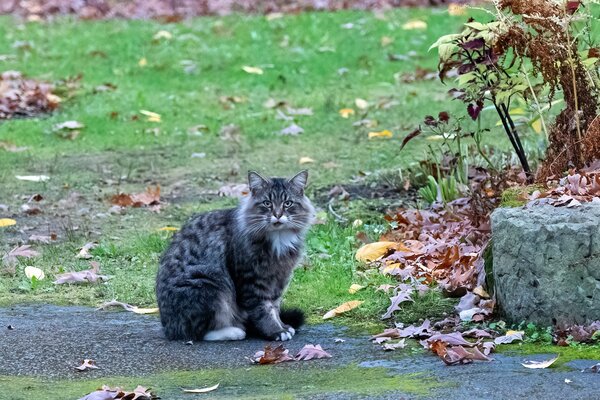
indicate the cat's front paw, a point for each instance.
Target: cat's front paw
{"x":287,"y":334}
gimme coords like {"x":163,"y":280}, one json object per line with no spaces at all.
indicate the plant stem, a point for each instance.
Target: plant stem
{"x":514,"y":140}
{"x":537,"y":103}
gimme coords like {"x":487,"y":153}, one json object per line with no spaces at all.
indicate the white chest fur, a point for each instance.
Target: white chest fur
{"x":283,"y":240}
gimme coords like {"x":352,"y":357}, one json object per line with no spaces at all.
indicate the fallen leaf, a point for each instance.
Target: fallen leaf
{"x":238,"y":190}
{"x":423,"y":330}
{"x":272,"y":355}
{"x":539,"y":364}
{"x":414,"y":24}
{"x":45,"y":239}
{"x":401,"y":297}
{"x":349,"y":305}
{"x":86,"y":276}
{"x":168,"y":229}
{"x":338,"y":340}
{"x":108,"y":393}
{"x":346,"y":112}
{"x":386,"y":41}
{"x":305,"y":160}
{"x":291,"y":130}
{"x":162,"y":35}
{"x":143,"y":62}
{"x":24,"y":251}
{"x":381,"y":134}
{"x":309,"y":352}
{"x":253,"y":70}
{"x":84,"y":252}
{"x":510,"y":337}
{"x":393,"y":346}
{"x":128,"y":307}
{"x":568,"y":380}
{"x":33,"y":178}
{"x":203,"y":390}
{"x":476,"y":333}
{"x":12,"y":148}
{"x":7,"y":222}
{"x":361,"y":103}
{"x":355,"y":288}
{"x":86,"y":365}
{"x":299,"y":111}
{"x":374,"y":251}
{"x":150,"y":197}
{"x":68,"y":125}
{"x":31,"y":272}
{"x":151,"y":116}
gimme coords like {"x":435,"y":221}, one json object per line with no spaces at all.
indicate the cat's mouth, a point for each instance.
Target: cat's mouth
{"x":277,"y":224}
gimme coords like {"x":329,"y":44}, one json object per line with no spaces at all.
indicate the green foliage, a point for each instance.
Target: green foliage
{"x":443,"y":190}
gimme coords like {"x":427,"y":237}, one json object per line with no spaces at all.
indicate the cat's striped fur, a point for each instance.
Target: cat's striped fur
{"x":225,"y":271}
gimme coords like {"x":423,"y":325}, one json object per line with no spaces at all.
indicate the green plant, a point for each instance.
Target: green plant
{"x":442,"y":190}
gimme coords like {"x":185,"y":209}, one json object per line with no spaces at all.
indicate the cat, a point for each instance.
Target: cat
{"x":225,"y":271}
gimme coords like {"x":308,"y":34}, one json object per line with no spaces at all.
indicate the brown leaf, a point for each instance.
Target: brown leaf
{"x":345,"y":307}
{"x":396,"y":300}
{"x":151,"y":197}
{"x":410,"y":136}
{"x":108,"y":393}
{"x":25,"y":251}
{"x":86,"y":276}
{"x":85,"y":250}
{"x":510,"y":337}
{"x":393,"y":346}
{"x":272,"y":355}
{"x":308,"y":352}
{"x":127,"y":307}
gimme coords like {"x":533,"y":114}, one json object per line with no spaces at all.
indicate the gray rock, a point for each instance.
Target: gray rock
{"x":547,"y":263}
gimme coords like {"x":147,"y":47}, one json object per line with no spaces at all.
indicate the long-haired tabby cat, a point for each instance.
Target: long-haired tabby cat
{"x":225,"y":271}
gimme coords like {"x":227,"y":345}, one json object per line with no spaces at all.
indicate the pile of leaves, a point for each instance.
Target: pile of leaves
{"x":173,"y":10}
{"x":579,"y":186}
{"x":279,"y":354}
{"x":441,"y":244}
{"x":21,"y":97}
{"x":108,"y":393}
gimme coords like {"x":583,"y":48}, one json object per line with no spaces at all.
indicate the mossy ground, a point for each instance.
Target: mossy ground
{"x":565,"y":353}
{"x":256,"y":382}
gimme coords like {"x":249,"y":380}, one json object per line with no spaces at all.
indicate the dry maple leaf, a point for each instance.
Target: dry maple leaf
{"x":345,"y":307}
{"x":150,"y":197}
{"x":10,"y":258}
{"x":86,"y":276}
{"x":309,"y":352}
{"x":272,"y":355}
{"x":108,"y":393}
{"x":396,"y":300}
{"x":87,"y":365}
{"x":85,"y":250}
{"x":374,"y":251}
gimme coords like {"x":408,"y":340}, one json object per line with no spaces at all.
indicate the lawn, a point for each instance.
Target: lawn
{"x":194,"y":76}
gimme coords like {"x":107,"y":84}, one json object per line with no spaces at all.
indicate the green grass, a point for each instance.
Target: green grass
{"x":117,"y":152}
{"x":565,"y":354}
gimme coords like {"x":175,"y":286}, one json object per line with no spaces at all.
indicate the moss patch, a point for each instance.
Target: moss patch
{"x":255,"y":382}
{"x":566,"y":354}
{"x":517,"y":196}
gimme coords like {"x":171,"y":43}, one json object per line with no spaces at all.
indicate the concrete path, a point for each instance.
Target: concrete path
{"x":39,"y":353}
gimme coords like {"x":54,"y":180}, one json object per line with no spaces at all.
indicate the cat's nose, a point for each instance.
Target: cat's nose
{"x":277,"y":213}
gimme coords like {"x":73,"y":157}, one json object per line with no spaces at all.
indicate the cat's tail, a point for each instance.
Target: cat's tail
{"x":292,"y":317}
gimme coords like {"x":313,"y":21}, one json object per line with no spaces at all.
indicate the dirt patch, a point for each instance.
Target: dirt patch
{"x":174,"y":10}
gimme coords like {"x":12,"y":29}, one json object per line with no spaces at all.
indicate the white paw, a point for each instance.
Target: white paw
{"x":228,"y":333}
{"x":286,"y":335}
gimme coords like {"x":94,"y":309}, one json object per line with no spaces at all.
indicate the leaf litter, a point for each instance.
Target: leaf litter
{"x":108,"y":393}
{"x":87,"y":276}
{"x":279,"y":354}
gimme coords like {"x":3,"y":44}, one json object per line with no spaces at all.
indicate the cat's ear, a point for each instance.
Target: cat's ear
{"x":255,"y":181}
{"x":299,"y":181}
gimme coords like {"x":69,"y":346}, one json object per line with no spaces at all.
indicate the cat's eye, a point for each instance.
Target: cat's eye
{"x":288,"y":204}
{"x":267,"y":203}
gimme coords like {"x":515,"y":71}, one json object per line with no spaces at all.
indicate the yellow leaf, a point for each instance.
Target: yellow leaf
{"x":163,"y":35}
{"x":517,"y":111}
{"x":152,"y":116}
{"x":253,"y":70}
{"x":274,"y":15}
{"x":537,"y":125}
{"x":456,"y":9}
{"x":355,"y":288}
{"x":143,"y":62}
{"x":346,"y":112}
{"x":386,"y":41}
{"x":31,"y":272}
{"x":306,"y":160}
{"x":414,"y":24}
{"x":361,"y":103}
{"x":509,"y":333}
{"x":144,"y":310}
{"x":388,"y":269}
{"x":382,"y":134}
{"x":7,"y":222}
{"x":169,"y":229}
{"x":374,"y":251}
{"x":480,"y":291}
{"x":350,"y":305}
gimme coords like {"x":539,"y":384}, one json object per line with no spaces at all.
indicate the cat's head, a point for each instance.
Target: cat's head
{"x":277,"y":204}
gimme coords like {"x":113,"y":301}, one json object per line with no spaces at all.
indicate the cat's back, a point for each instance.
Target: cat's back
{"x":203,"y":237}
